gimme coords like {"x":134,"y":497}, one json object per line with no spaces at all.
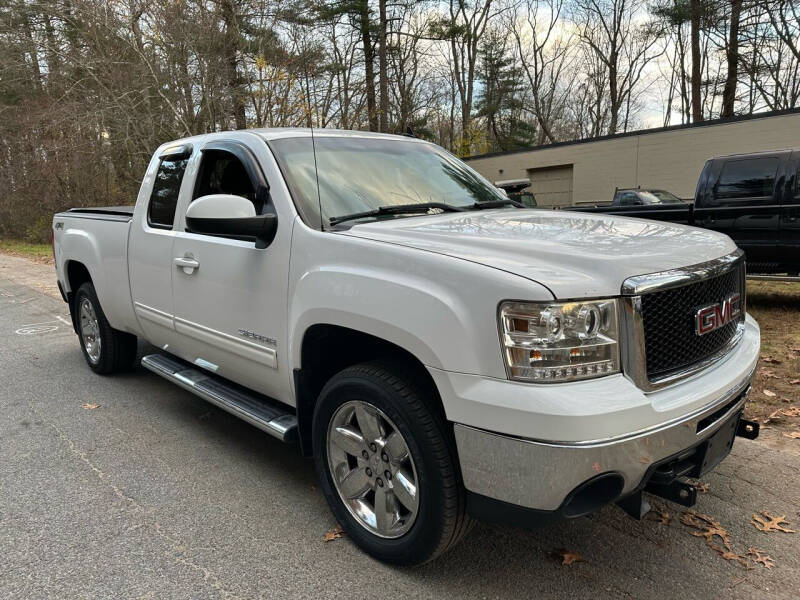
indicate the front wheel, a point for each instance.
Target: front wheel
{"x":387,"y":464}
{"x":106,"y":350}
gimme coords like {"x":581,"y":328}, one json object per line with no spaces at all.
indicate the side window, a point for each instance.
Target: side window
{"x":627,"y":199}
{"x":223,"y":173}
{"x":747,"y":178}
{"x":161,"y":210}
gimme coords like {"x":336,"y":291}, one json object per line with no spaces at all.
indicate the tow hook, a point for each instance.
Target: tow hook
{"x":747,"y":429}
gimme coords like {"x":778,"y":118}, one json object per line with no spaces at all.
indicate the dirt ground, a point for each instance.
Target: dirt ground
{"x":775,"y":398}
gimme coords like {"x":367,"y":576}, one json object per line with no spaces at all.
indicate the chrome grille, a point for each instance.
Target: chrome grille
{"x":661,"y":347}
{"x":668,"y":320}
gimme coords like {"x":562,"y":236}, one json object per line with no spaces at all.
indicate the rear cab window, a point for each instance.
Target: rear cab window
{"x":747,"y":179}
{"x":166,"y":187}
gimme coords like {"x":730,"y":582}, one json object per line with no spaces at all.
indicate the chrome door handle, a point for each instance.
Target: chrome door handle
{"x":187,"y":263}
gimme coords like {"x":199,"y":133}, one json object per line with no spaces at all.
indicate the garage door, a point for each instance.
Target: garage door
{"x":552,"y":185}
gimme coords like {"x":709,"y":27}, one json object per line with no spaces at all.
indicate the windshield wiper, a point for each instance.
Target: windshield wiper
{"x":497,"y":204}
{"x":397,"y":209}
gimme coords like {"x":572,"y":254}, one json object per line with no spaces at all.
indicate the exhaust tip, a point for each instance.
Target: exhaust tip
{"x":593,"y":494}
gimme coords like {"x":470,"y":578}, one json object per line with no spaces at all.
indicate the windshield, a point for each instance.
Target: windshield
{"x":358,"y":174}
{"x":663,"y":197}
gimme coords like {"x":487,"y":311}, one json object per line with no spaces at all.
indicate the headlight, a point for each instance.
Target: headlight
{"x":552,"y":342}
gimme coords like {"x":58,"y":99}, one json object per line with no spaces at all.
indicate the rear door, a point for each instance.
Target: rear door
{"x":230,"y":311}
{"x":739,"y":200}
{"x":151,"y":237}
{"x":790,"y":215}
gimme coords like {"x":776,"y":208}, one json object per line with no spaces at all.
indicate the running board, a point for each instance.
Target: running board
{"x":258,"y":410}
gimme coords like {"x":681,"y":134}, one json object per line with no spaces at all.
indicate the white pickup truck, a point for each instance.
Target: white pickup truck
{"x":443,"y":353}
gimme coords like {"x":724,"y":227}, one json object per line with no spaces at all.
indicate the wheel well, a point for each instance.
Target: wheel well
{"x":328,"y":349}
{"x":77,"y":275}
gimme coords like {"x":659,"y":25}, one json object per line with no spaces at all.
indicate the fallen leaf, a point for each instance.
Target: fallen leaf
{"x":333,"y":534}
{"x":767,"y":522}
{"x":768,"y":373}
{"x":702,"y":487}
{"x":711,"y":529}
{"x":661,"y":517}
{"x":90,"y":406}
{"x":770,"y":360}
{"x":769,"y":393}
{"x":761,"y":558}
{"x":795,"y":435}
{"x":567,"y":556}
{"x":795,"y":381}
{"x":792,"y":411}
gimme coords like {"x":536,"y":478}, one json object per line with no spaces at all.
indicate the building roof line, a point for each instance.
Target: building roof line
{"x":639,"y":132}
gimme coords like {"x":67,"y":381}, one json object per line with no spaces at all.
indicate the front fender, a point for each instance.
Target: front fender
{"x":440,"y":309}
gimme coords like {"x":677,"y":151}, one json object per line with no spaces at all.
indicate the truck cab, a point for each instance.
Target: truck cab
{"x":754,"y":199}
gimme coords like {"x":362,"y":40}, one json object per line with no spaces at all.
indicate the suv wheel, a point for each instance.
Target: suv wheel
{"x":387,"y":464}
{"x":105,"y":349}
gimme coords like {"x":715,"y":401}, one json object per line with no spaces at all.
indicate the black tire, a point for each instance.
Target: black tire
{"x":117,"y":348}
{"x":441,"y":520}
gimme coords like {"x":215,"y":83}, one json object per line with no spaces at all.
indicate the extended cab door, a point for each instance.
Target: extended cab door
{"x":739,"y":200}
{"x":151,"y":238}
{"x":230,"y":307}
{"x":790,"y":215}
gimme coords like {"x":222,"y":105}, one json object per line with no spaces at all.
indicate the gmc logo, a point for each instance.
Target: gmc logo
{"x":714,"y":316}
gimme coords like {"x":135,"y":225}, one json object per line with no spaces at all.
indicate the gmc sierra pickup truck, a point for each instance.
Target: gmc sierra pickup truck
{"x":753,"y":198}
{"x":443,"y":353}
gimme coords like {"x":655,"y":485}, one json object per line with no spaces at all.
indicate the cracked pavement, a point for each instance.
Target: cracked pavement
{"x":156,"y":494}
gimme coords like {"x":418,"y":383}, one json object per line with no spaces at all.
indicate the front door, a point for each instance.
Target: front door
{"x":230,"y":297}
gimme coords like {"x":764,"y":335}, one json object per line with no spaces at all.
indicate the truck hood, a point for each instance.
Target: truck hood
{"x":575,"y":255}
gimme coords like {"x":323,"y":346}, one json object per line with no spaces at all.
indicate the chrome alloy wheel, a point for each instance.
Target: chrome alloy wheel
{"x":372,"y":469}
{"x":90,"y":330}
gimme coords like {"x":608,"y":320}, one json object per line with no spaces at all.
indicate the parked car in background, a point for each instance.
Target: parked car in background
{"x":643,"y":197}
{"x":753,"y":198}
{"x":441,"y":352}
{"x":519,"y":191}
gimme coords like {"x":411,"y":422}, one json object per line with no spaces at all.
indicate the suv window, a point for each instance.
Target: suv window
{"x":747,"y":178}
{"x":222,"y":173}
{"x":164,"y":198}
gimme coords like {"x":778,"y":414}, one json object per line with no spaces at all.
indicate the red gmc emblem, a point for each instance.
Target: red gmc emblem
{"x":714,"y":316}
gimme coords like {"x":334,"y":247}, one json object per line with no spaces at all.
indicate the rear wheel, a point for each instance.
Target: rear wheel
{"x":106,"y":350}
{"x":387,"y":464}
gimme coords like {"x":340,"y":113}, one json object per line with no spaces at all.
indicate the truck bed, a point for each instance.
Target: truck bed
{"x":108,"y":213}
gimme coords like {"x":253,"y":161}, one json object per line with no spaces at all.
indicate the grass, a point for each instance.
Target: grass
{"x":37,"y":252}
{"x":776,"y":307}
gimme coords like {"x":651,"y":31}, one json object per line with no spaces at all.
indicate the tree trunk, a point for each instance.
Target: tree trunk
{"x":697,"y":106}
{"x":369,"y":66}
{"x":613,"y":93}
{"x":231,"y":63}
{"x":382,"y":69}
{"x":729,"y":93}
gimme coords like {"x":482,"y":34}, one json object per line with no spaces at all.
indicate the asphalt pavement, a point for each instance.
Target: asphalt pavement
{"x":155,"y":494}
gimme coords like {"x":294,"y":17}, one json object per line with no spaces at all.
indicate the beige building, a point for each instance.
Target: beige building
{"x":669,"y":158}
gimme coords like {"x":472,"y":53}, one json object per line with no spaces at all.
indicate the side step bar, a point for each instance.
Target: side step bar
{"x":258,"y":410}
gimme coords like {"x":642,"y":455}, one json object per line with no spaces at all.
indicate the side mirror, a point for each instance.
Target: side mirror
{"x":231,"y":216}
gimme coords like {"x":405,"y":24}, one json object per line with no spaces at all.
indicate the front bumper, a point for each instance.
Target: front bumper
{"x":544,"y":475}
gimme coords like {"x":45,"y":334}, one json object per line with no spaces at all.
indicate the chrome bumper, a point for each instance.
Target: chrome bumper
{"x":540,"y":475}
